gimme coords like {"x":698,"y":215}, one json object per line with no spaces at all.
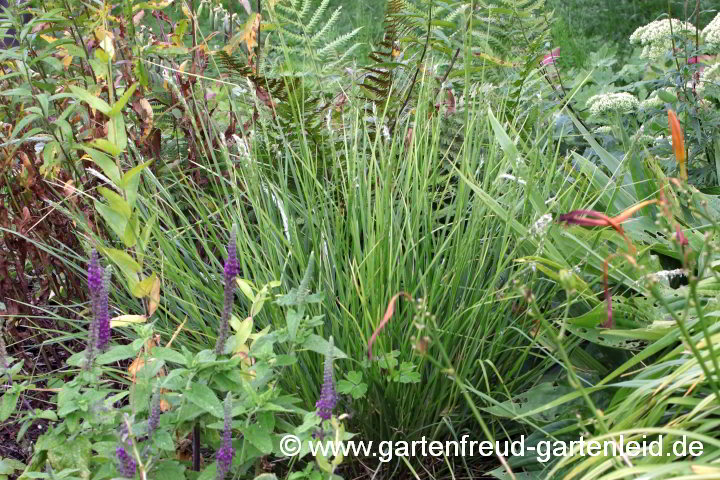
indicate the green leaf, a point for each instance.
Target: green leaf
{"x":106,"y":146}
{"x":352,"y":385}
{"x":142,"y":289}
{"x":116,"y":353}
{"x":106,"y":164}
{"x":122,"y":101}
{"x":125,"y":263}
{"x":116,"y":202}
{"x":318,"y":344}
{"x":202,"y":396}
{"x":116,"y":132}
{"x":87,"y":97}
{"x":169,"y":355}
{"x":246,"y":287}
{"x":9,"y":402}
{"x":116,"y":221}
{"x":259,"y":438}
{"x":666,"y":96}
{"x":131,"y":180}
{"x":293,"y":319}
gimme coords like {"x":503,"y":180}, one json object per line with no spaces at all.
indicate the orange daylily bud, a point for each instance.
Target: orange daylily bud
{"x":678,"y":142}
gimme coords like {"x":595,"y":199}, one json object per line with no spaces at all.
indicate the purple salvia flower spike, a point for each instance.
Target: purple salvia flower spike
{"x":225,"y":453}
{"x":232,"y":269}
{"x":126,"y":464}
{"x":155,"y":411}
{"x":328,"y":398}
{"x":103,"y":315}
{"x":95,"y":285}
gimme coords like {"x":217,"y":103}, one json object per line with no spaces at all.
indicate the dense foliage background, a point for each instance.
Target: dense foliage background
{"x":400,"y":219}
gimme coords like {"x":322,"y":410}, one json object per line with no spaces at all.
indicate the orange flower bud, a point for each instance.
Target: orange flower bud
{"x":678,"y":142}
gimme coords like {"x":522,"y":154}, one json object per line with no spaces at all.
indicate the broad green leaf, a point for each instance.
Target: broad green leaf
{"x":106,"y":164}
{"x":246,"y":287}
{"x":318,"y":344}
{"x":116,"y":202}
{"x":242,"y":329}
{"x":122,"y":101}
{"x":116,"y":132}
{"x":106,"y":146}
{"x":124,"y":261}
{"x":142,"y":289}
{"x":131,"y":180}
{"x":92,"y":100}
{"x":9,"y":402}
{"x":116,"y":353}
{"x":115,"y":220}
{"x":203,"y":397}
{"x":169,"y":355}
{"x":259,"y":437}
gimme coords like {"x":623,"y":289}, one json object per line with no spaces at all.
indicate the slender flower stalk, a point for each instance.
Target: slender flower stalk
{"x":225,"y":453}
{"x":328,"y":398}
{"x":232,"y":269}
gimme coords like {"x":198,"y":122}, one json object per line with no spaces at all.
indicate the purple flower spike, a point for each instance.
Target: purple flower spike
{"x":103,"y":314}
{"x":328,"y":397}
{"x":126,"y":464}
{"x":225,"y":453}
{"x":232,"y":269}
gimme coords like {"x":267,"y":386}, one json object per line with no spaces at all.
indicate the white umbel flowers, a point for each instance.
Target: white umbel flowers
{"x":607,"y":103}
{"x":655,"y":37}
{"x":709,"y":83}
{"x":711,"y":33}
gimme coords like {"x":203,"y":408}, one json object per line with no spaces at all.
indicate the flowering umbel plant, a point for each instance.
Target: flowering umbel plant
{"x":328,"y":397}
{"x":232,"y":269}
{"x":225,"y":453}
{"x":98,"y":284}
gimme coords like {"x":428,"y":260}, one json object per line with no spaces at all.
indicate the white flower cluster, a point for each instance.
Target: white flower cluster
{"x":711,"y":33}
{"x":541,"y":226}
{"x":655,"y":36}
{"x":709,"y":83}
{"x":604,"y":103}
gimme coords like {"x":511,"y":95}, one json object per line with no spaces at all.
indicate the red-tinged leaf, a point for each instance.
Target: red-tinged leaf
{"x":386,"y":318}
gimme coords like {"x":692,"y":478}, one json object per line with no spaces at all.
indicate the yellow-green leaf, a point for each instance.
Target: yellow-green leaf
{"x":116,"y":202}
{"x":116,"y":132}
{"x":143,"y":288}
{"x":125,"y":320}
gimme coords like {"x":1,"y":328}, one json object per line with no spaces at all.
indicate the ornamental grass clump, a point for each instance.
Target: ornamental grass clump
{"x":232,"y":269}
{"x":328,"y":397}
